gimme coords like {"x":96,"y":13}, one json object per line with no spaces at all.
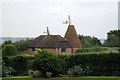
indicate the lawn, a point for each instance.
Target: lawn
{"x":59,"y":78}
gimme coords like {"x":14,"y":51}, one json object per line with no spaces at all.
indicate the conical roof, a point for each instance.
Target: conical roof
{"x":71,"y":36}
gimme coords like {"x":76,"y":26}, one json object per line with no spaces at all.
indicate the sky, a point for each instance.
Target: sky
{"x":29,"y":18}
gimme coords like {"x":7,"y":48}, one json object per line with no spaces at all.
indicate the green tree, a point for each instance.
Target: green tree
{"x":88,"y":41}
{"x":113,"y":39}
{"x":22,"y":44}
{"x":7,"y":42}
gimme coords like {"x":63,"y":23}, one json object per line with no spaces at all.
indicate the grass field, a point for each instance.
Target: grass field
{"x":59,"y":78}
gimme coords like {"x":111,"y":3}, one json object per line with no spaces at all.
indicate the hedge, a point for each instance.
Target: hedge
{"x":47,"y":62}
{"x":9,"y":50}
{"x":21,"y":64}
{"x":98,"y":64}
{"x":96,"y":49}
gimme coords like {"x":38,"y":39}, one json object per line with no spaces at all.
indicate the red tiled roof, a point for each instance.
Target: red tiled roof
{"x":72,"y":37}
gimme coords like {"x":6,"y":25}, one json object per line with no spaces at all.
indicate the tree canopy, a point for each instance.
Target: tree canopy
{"x":20,"y":45}
{"x":88,"y":41}
{"x":113,"y":39}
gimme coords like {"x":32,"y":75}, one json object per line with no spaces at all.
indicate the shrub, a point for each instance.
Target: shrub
{"x":37,"y":73}
{"x":9,"y":71}
{"x":69,"y":72}
{"x":19,"y":63}
{"x":92,"y":49}
{"x":99,"y":64}
{"x":45,"y":61}
{"x":31,"y":73}
{"x":6,"y":71}
{"x":48,"y":74}
{"x":3,"y":69}
{"x":76,"y":70}
{"x":9,"y":50}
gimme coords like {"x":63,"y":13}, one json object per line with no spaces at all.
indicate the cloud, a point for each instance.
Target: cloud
{"x":51,"y":10}
{"x":94,"y":18}
{"x":66,"y":1}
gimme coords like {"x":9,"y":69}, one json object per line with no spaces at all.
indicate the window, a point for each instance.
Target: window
{"x":63,"y":50}
{"x":33,"y":49}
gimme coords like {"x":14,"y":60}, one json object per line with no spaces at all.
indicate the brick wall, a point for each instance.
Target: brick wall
{"x":57,"y":50}
{"x":30,"y":51}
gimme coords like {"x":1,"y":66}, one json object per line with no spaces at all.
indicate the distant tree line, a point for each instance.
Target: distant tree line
{"x":20,"y":45}
{"x":113,"y":40}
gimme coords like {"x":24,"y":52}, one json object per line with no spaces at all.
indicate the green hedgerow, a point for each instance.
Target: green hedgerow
{"x":47,"y":62}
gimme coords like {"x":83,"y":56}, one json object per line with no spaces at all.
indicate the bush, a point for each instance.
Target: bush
{"x":48,"y":74}
{"x":92,"y":49}
{"x":76,"y":70}
{"x":7,"y":70}
{"x":3,"y":69}
{"x":19,"y":63}
{"x":80,"y":50}
{"x":47,"y":62}
{"x":9,"y":50}
{"x":37,"y":73}
{"x":34,"y":73}
{"x":99,"y":64}
{"x":31,"y":73}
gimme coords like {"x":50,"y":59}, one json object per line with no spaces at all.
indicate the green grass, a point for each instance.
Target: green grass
{"x":59,"y":78}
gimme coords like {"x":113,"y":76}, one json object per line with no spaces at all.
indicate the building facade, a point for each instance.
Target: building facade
{"x":57,"y":44}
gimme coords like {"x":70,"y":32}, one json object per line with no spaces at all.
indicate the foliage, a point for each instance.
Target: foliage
{"x":3,"y":69}
{"x":107,"y":64}
{"x":92,"y":49}
{"x":7,"y":42}
{"x":113,"y":39}
{"x":88,"y":41}
{"x":30,"y":72}
{"x":76,"y":70}
{"x":48,"y":74}
{"x":47,"y":62}
{"x":7,"y":70}
{"x":94,"y":64}
{"x":22,"y":44}
{"x":9,"y":50}
{"x":61,"y":78}
{"x":19,"y":63}
{"x":37,"y":73}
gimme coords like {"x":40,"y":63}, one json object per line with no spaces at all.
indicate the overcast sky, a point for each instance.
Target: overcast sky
{"x":29,"y":18}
